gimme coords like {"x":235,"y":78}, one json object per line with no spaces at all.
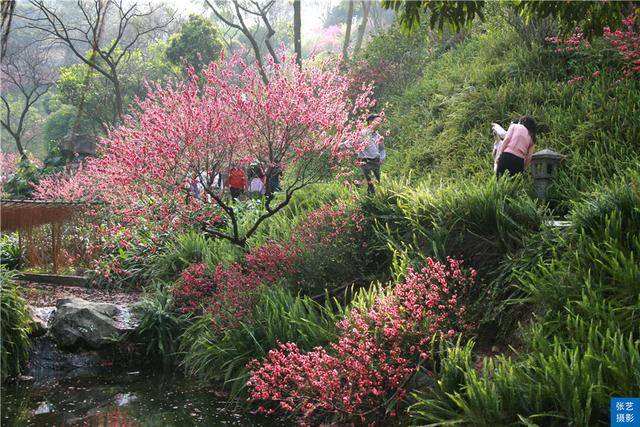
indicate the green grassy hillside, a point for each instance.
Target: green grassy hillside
{"x":440,"y":125}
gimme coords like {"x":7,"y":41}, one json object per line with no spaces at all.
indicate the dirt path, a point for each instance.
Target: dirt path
{"x":40,"y":295}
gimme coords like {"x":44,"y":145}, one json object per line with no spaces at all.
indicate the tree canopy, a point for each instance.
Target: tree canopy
{"x":591,"y":16}
{"x":198,"y":42}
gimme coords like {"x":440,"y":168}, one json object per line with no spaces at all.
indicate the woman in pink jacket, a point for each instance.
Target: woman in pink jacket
{"x":516,"y":150}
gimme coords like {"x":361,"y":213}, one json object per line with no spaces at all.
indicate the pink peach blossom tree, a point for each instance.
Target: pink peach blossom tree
{"x":301,"y":121}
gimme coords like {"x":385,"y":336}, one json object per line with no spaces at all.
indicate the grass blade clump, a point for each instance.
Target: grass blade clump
{"x":15,"y":326}
{"x":583,"y":346}
{"x":279,"y":316}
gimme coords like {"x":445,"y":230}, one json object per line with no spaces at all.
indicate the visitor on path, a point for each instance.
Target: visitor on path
{"x":217,"y":184}
{"x":257,"y":183}
{"x":237,"y":182}
{"x":273,"y":180}
{"x":514,"y":154}
{"x":374,"y":152}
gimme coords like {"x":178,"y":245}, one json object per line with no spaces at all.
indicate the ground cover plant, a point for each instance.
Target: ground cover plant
{"x":379,"y":347}
{"x":16,"y":325}
{"x":584,"y":341}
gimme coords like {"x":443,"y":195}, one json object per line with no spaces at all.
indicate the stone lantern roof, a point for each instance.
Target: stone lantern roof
{"x":548,"y":154}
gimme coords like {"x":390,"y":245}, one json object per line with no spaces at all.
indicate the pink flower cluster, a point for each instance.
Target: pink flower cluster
{"x":574,"y":43}
{"x":8,"y":167}
{"x":231,"y":288}
{"x":378,"y":350}
{"x":625,"y":43}
{"x":381,"y":73}
{"x":272,"y":261}
{"x":330,"y":224}
{"x":228,"y":292}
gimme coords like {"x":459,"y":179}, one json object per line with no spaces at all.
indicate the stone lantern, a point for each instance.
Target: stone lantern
{"x":544,"y":166}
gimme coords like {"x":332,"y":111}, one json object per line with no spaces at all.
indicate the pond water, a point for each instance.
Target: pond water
{"x":120,"y":399}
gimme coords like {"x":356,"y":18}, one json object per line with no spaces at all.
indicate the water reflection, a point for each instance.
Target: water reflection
{"x":118,"y":400}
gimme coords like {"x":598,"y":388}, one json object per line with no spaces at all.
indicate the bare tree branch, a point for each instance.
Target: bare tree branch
{"x":242,"y":27}
{"x":132,"y":25}
{"x":25,"y":73}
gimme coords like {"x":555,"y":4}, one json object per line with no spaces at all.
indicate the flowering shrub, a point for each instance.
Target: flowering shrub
{"x":329,"y":247}
{"x":122,"y":251}
{"x":325,"y":247}
{"x":271,"y":261}
{"x":381,"y":73}
{"x":378,"y":350}
{"x":627,"y":44}
{"x":228,"y":292}
{"x":622,"y":45}
{"x":8,"y":167}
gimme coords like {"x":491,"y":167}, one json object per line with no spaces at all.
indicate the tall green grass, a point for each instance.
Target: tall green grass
{"x":440,"y":124}
{"x":583,"y":345}
{"x":595,"y":270}
{"x":160,"y":327}
{"x":189,"y":248}
{"x":15,"y":325}
{"x":553,"y":384}
{"x":279,"y":316}
{"x":480,"y":221}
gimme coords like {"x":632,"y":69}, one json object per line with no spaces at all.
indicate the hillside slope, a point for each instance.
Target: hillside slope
{"x":440,"y":125}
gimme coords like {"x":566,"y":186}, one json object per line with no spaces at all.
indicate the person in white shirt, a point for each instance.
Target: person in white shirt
{"x":257,"y":188}
{"x":374,"y":152}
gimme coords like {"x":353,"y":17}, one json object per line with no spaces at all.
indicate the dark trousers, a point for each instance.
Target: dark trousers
{"x":371,"y":166}
{"x":235,"y":192}
{"x":511,"y":163}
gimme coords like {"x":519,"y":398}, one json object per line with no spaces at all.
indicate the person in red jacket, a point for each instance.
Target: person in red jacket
{"x":237,"y":181}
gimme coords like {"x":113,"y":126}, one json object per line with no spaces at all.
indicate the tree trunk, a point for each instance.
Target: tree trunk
{"x":19,"y":146}
{"x":118,"y":92}
{"x":7,"y":8}
{"x":347,"y":33}
{"x":297,"y":26}
{"x":366,"y":6}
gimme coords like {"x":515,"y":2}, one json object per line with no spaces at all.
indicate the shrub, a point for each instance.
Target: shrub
{"x":227,"y":293}
{"x":160,"y":327}
{"x":10,"y":253}
{"x":15,"y":325}
{"x":222,"y":354}
{"x":379,"y":348}
{"x":330,"y":248}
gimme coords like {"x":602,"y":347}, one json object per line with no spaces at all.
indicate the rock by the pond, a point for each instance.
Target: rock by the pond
{"x":79,"y":323}
{"x":48,"y":363}
{"x":38,"y":321}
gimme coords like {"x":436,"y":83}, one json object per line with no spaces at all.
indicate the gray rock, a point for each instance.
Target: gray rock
{"x":79,"y":323}
{"x":38,"y":321}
